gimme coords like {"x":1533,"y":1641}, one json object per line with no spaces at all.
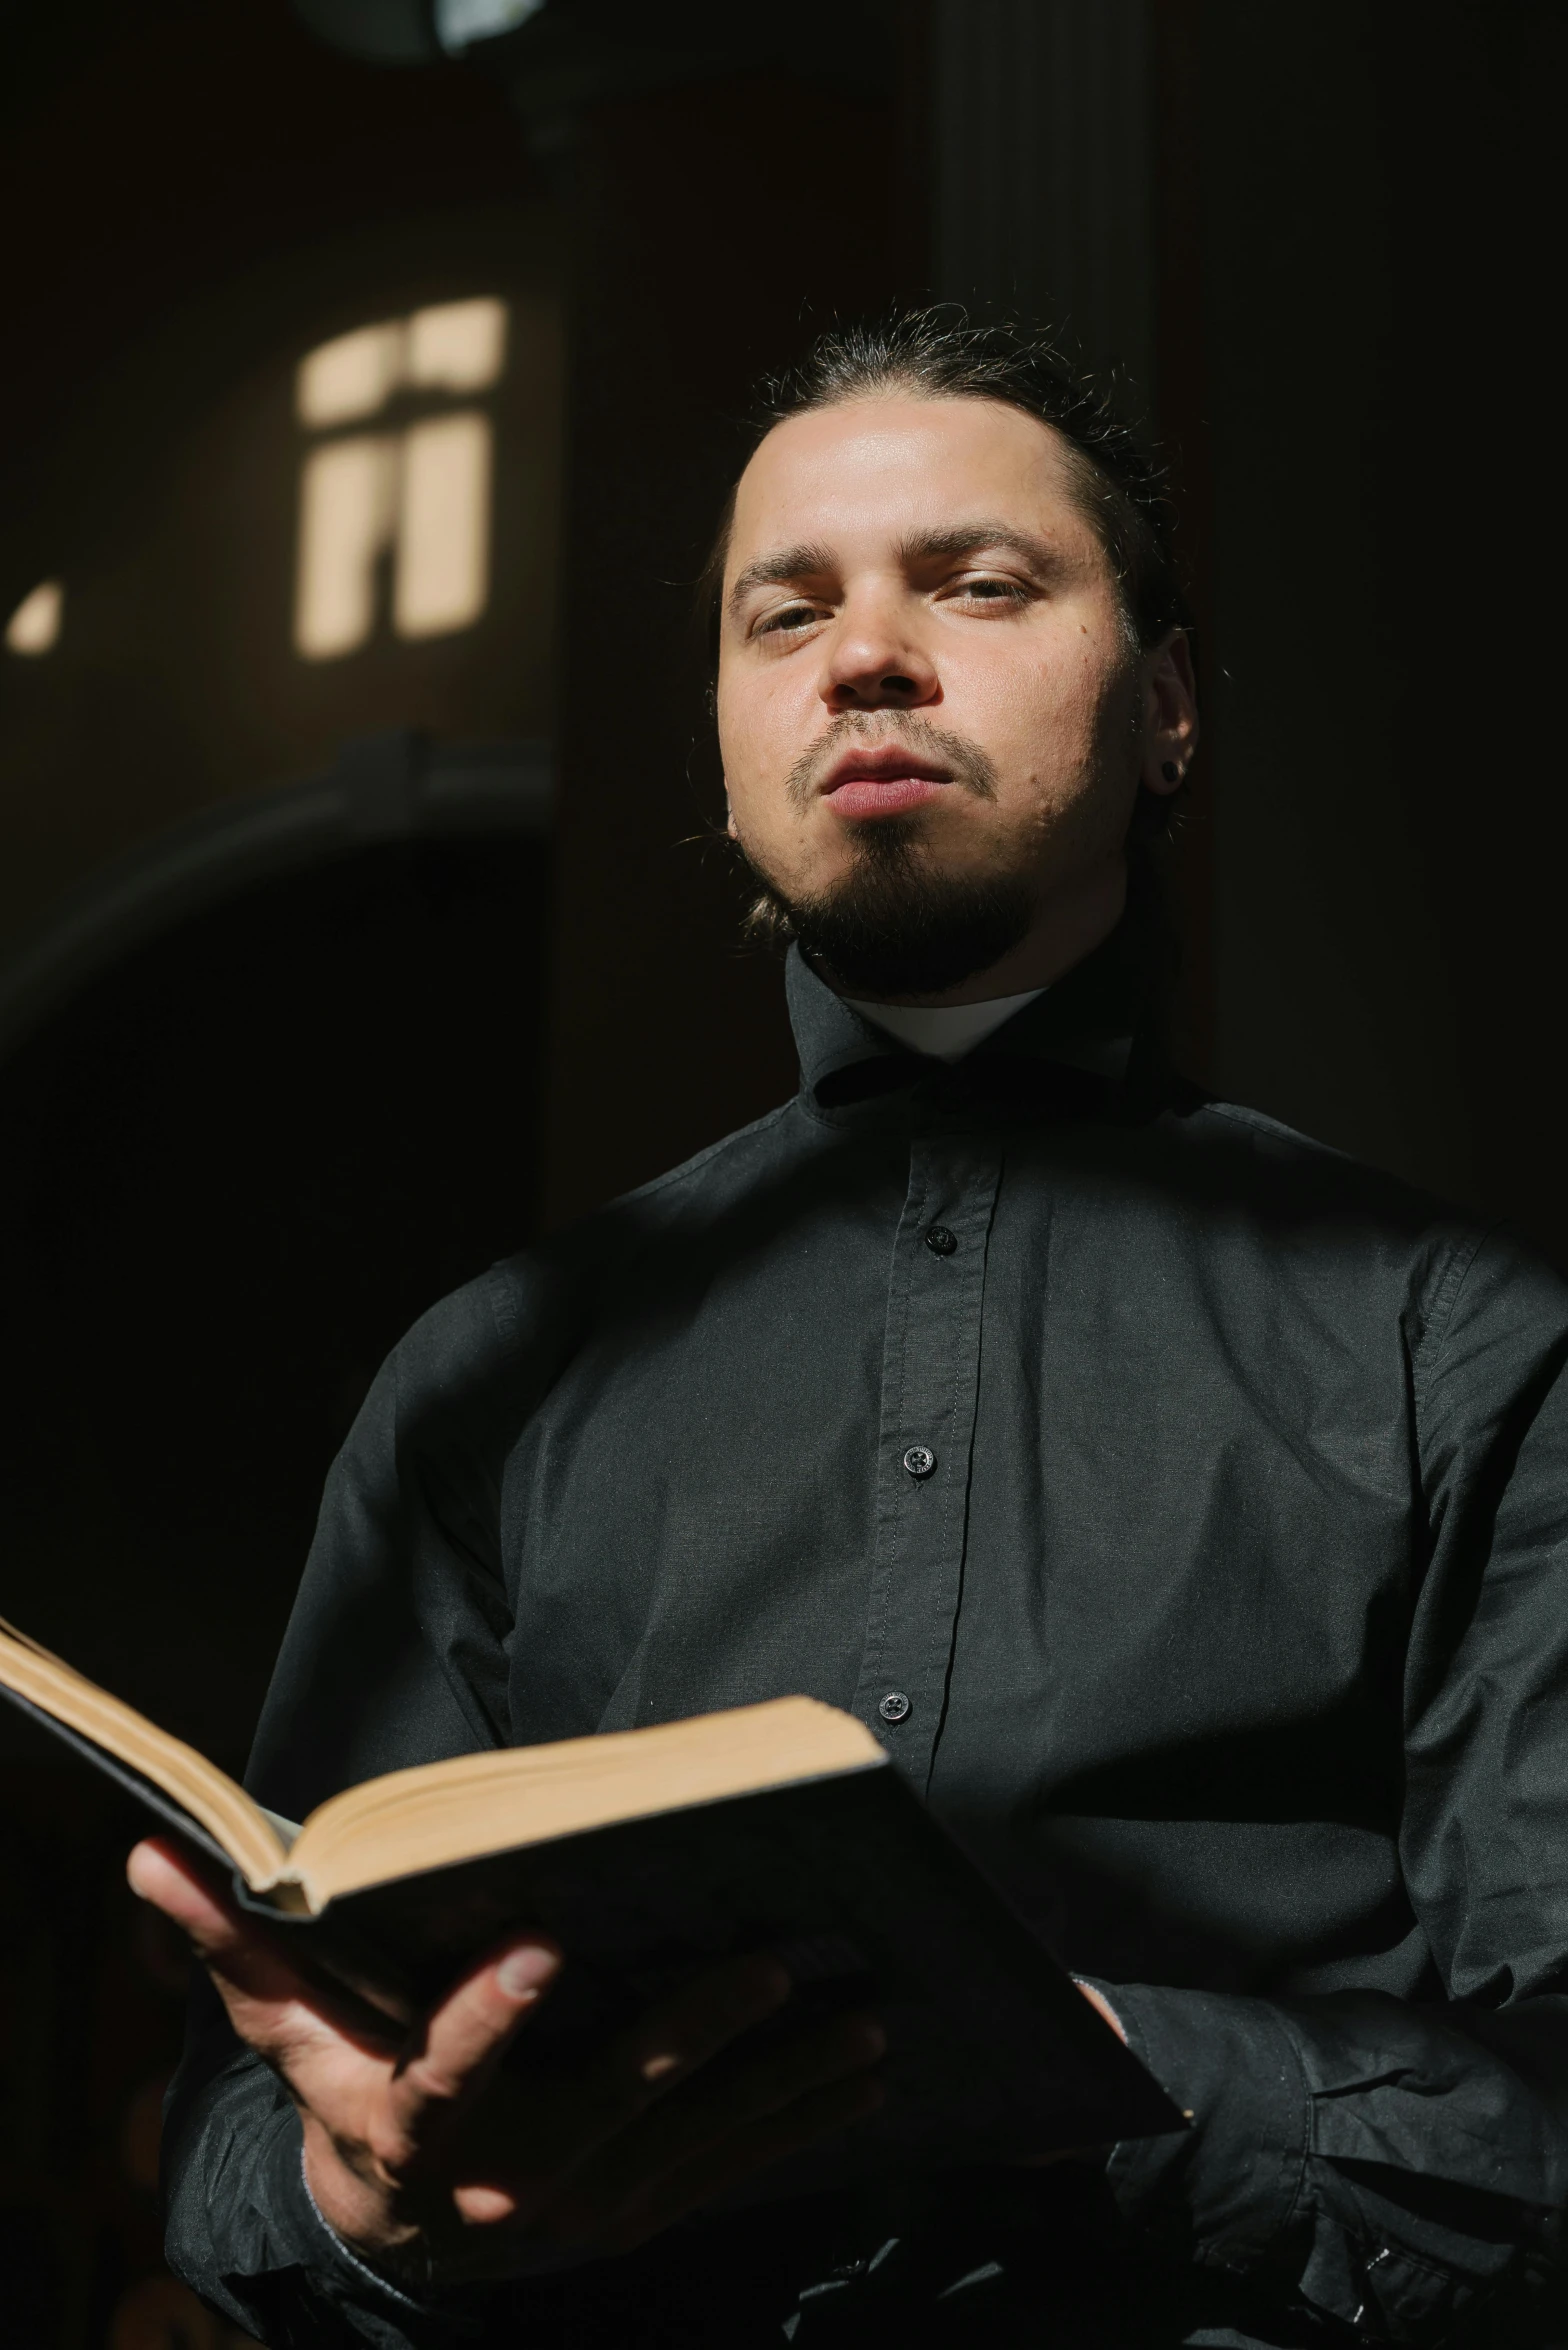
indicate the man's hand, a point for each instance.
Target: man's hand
{"x":429,"y":2161}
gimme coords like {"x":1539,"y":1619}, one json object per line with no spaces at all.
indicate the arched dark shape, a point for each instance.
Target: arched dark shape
{"x":268,"y":1089}
{"x":390,"y":787}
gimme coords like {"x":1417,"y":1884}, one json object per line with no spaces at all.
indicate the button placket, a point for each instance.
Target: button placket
{"x":930,"y":1382}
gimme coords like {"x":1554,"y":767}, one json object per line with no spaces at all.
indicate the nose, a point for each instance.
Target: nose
{"x":874,"y":659}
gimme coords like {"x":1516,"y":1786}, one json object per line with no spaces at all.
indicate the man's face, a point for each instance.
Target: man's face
{"x":926,"y":682}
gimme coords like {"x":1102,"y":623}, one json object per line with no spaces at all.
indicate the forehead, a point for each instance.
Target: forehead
{"x":871,"y":470}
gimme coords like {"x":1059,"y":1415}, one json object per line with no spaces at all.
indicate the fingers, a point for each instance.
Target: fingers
{"x":594,"y":2233}
{"x":439,"y":2076}
{"x":241,"y":1955}
{"x":274,"y":2006}
{"x":804,"y":2123}
{"x":733,"y":2097}
{"x":729,"y":2098}
{"x":687,"y":2032}
{"x":525,"y":2151}
{"x":159,"y":1872}
{"x":702,"y":2019}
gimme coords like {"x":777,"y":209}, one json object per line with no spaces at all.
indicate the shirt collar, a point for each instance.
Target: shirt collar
{"x":1094,"y":1019}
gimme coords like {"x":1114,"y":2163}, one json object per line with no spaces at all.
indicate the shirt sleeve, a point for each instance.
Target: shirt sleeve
{"x":243,"y":2230}
{"x":1404,"y":2166}
{"x":395,"y":1654}
{"x":1362,"y":2155}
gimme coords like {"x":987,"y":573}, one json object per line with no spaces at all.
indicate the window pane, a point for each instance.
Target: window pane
{"x":347,"y":507}
{"x":352,"y":376}
{"x":457,"y":346}
{"x":443,"y":539}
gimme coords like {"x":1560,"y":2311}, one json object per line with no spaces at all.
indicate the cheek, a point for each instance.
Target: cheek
{"x":762,"y":732}
{"x":1049,"y":721}
{"x":736,"y":727}
{"x":1068,"y":750}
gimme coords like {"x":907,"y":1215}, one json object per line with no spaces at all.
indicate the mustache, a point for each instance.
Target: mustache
{"x":972,"y":770}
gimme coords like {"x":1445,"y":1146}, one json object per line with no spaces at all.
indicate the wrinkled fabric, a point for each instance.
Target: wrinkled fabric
{"x":1231,"y":1615}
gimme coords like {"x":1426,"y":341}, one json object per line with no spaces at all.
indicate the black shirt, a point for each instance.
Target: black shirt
{"x":1186,"y":1508}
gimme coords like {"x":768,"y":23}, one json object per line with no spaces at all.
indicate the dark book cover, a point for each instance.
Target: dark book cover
{"x":993,"y":2052}
{"x":865,"y":1898}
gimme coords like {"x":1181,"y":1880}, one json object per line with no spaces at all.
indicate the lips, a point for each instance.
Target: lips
{"x":883,"y":783}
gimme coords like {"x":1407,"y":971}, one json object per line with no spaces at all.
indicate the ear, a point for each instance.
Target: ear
{"x":729,"y":816}
{"x":1170,"y":715}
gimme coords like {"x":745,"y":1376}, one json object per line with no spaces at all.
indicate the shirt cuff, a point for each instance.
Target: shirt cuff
{"x":388,"y":2314}
{"x":1222,"y":2193}
{"x":334,"y":2242}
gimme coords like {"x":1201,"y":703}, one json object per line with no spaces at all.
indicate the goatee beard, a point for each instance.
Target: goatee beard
{"x":895,"y":925}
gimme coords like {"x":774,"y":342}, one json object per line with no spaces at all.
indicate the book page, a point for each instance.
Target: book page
{"x":197,"y":1785}
{"x":427,"y":1818}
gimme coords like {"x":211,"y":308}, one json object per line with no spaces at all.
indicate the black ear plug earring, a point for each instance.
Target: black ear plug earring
{"x":1170,"y":771}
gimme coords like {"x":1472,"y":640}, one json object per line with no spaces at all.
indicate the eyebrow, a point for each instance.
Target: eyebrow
{"x":810,"y":559}
{"x":807,"y":561}
{"x":962,"y":538}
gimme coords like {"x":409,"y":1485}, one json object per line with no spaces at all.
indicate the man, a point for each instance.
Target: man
{"x":1184,"y":1506}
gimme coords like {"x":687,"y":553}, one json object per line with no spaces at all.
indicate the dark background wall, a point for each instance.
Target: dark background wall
{"x":1382,"y":208}
{"x":250,"y":1130}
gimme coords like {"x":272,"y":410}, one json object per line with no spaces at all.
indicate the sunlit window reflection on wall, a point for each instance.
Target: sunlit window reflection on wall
{"x":34,"y":627}
{"x":414,"y":491}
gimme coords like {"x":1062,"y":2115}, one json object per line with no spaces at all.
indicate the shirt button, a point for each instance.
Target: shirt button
{"x":920,"y":1460}
{"x":894,"y":1706}
{"x":941,"y":1240}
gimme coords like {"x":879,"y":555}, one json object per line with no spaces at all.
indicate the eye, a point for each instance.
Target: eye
{"x":788,"y":620}
{"x":991,"y":587}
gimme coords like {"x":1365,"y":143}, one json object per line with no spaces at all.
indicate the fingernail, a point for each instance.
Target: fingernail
{"x":522,"y":1972}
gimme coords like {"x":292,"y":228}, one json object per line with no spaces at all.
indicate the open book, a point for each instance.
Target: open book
{"x":647,"y":1854}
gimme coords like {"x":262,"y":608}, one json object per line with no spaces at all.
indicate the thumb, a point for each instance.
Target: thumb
{"x":160,"y":1873}
{"x":222,"y":1937}
{"x":272,"y":2002}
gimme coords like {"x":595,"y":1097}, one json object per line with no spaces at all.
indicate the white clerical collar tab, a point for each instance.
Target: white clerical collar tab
{"x":945,"y":1031}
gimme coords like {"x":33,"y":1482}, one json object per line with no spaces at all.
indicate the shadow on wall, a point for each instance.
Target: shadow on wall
{"x":270,"y":1089}
{"x":280,"y":431}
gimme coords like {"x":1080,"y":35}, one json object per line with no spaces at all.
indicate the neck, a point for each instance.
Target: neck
{"x":1064,"y":931}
